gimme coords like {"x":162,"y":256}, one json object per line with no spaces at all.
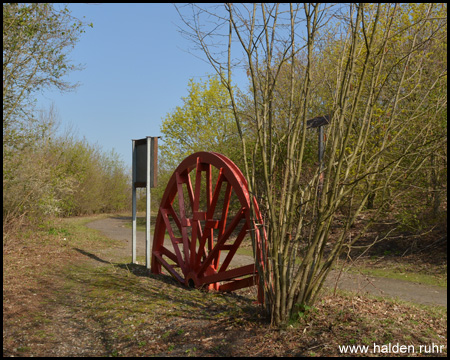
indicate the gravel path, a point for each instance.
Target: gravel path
{"x":115,"y":228}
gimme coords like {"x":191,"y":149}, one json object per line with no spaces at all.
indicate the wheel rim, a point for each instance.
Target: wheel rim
{"x":205,"y":211}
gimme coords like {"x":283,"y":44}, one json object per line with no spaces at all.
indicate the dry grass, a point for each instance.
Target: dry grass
{"x":61,"y":297}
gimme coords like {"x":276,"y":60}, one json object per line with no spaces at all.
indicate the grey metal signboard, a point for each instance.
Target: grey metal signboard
{"x":142,"y":163}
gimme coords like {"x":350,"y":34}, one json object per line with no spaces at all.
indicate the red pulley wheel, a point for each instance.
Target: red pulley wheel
{"x":203,"y":218}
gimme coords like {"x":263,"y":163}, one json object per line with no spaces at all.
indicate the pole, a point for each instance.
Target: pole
{"x":147,"y":215}
{"x":321,"y":175}
{"x":133,"y":206}
{"x":320,"y":145}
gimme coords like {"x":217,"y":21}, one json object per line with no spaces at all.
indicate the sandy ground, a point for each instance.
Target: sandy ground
{"x":115,"y":228}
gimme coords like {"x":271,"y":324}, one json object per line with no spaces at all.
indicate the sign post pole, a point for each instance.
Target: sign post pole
{"x":133,"y":206}
{"x":145,"y":160}
{"x":147,"y":212}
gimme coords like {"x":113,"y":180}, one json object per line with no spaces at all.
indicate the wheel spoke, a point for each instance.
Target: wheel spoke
{"x":196,"y":228}
{"x":215,"y":198}
{"x":185,"y":222}
{"x":234,"y":248}
{"x":175,"y":240}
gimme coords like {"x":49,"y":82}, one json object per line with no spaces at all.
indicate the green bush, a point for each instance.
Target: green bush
{"x":46,"y":175}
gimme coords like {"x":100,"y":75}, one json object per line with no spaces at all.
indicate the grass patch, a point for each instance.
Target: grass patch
{"x":416,"y":272}
{"x":405,"y":275}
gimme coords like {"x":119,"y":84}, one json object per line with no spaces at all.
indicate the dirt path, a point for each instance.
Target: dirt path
{"x":115,"y":228}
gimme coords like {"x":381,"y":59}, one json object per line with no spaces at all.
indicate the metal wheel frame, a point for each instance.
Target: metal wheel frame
{"x":197,"y":263}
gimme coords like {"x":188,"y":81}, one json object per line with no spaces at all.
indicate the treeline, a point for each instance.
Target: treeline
{"x":45,"y":175}
{"x":415,"y":199}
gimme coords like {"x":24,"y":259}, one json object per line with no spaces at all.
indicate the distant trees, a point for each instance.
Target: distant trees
{"x":61,"y":175}
{"x":369,"y":66}
{"x":204,"y":122}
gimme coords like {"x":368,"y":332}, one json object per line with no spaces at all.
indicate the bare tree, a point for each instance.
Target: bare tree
{"x":363,"y":62}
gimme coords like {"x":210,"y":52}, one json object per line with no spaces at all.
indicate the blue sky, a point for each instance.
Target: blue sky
{"x":137,"y":69}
